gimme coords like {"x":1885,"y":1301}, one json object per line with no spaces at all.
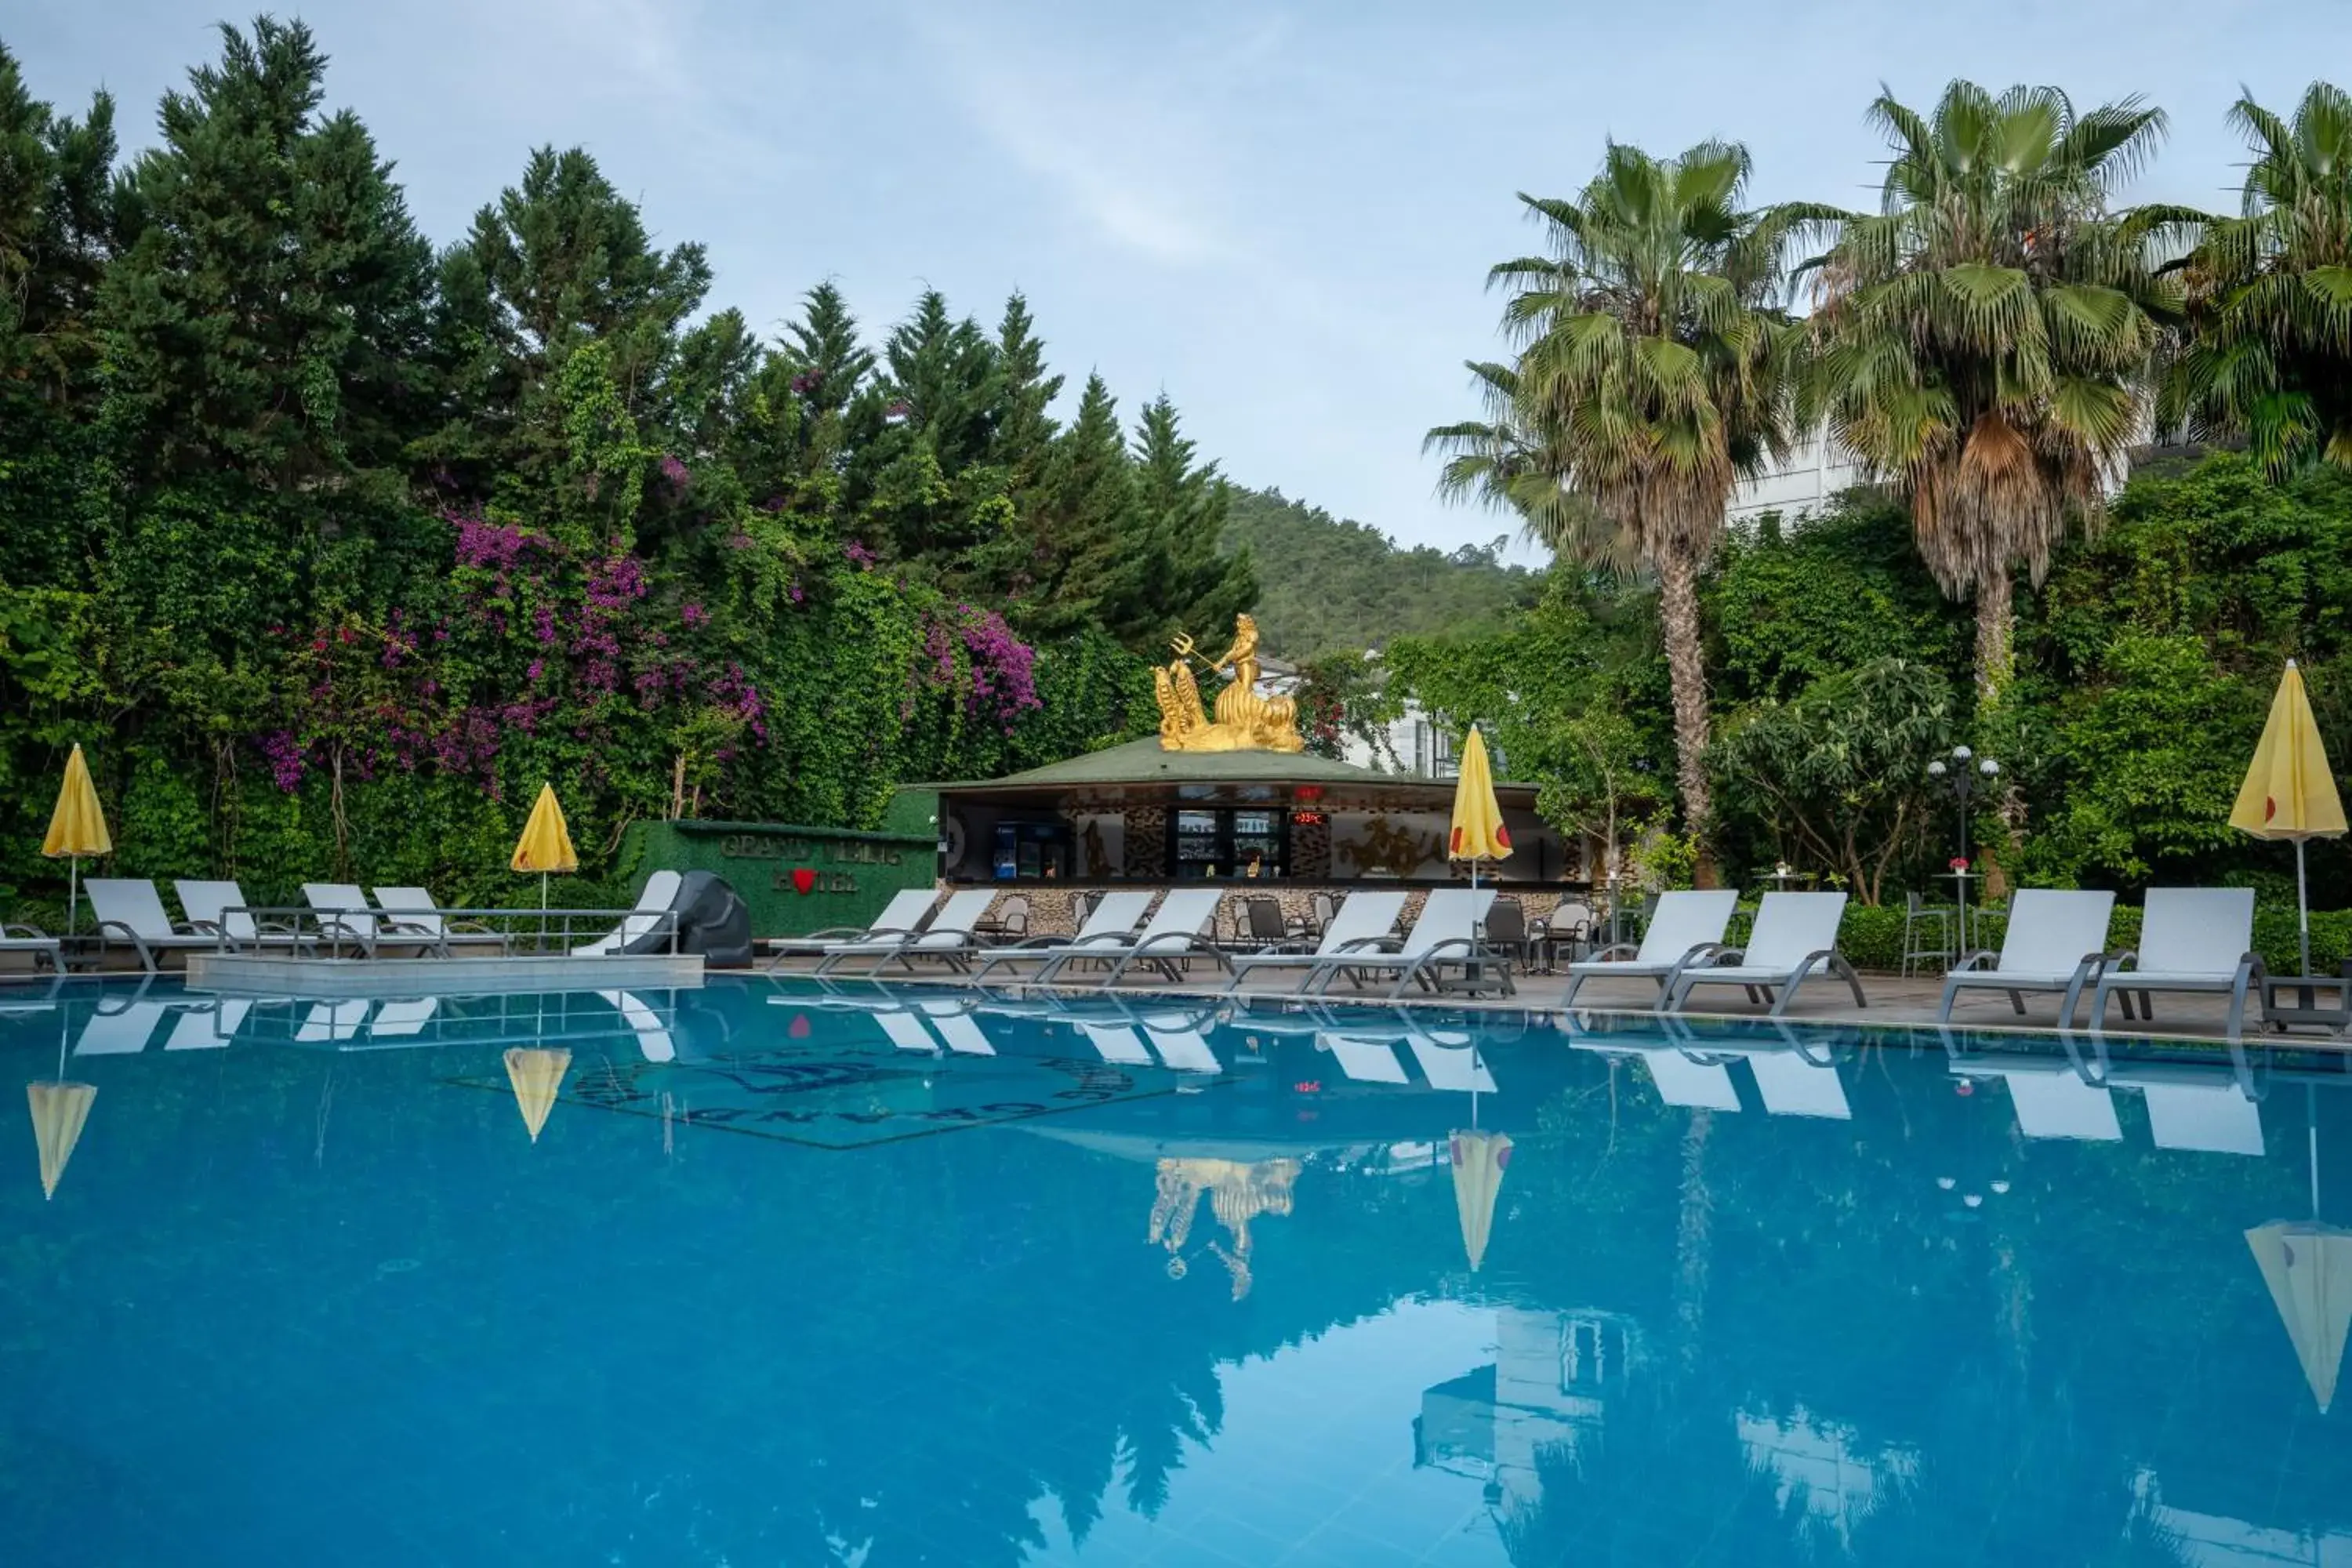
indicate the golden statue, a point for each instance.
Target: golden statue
{"x":1244,"y":722}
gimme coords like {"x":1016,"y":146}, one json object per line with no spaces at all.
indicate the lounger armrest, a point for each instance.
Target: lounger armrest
{"x":1715,"y":957}
{"x":1978,"y":958}
{"x":118,"y":927}
{"x":1369,"y":944}
{"x":1622,"y":950}
{"x":2120,"y":957}
{"x":24,"y":933}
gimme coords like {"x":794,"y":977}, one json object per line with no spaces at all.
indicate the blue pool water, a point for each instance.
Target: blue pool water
{"x":879,"y":1278}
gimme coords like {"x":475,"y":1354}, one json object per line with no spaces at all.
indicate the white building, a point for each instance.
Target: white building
{"x":1814,"y":475}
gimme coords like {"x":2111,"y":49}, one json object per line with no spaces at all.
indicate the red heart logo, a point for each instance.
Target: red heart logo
{"x":1502,"y":836}
{"x":803,"y":879}
{"x":799,"y":1027}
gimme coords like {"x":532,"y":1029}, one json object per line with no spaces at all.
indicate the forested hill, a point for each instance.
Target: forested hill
{"x":1325,"y":583}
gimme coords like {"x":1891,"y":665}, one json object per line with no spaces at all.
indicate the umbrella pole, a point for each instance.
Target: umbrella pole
{"x":542,"y":913}
{"x":73,"y":892}
{"x":2302,"y":908}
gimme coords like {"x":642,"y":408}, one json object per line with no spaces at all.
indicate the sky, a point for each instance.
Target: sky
{"x":1281,"y":216}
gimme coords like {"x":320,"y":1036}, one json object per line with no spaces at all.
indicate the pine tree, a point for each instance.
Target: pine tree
{"x":270,"y":311}
{"x":1183,"y":505}
{"x":559,"y":261}
{"x":1085,"y":562}
{"x":57,"y":225}
{"x":1023,"y":431}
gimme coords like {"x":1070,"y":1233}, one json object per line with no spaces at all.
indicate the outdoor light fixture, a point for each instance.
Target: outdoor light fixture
{"x":1955,"y":775}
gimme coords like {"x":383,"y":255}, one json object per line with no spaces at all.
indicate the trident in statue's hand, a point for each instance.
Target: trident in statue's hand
{"x":1182,"y":643}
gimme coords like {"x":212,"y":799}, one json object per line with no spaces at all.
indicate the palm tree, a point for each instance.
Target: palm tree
{"x":1652,"y":376}
{"x":1510,"y":470}
{"x":1984,"y":339}
{"x":2269,"y":294}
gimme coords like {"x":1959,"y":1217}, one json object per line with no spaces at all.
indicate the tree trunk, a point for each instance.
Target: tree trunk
{"x":1686,"y":669}
{"x":1996,"y":615}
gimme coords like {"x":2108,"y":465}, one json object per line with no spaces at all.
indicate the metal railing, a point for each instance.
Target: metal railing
{"x":303,"y":930}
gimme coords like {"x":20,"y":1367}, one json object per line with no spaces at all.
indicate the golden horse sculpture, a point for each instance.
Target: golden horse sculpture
{"x":1244,"y":720}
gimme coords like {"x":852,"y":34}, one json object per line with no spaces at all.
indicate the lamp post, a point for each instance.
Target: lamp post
{"x":1961,"y":775}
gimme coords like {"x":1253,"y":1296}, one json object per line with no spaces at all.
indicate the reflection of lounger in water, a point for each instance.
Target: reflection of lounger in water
{"x":2051,"y":1099}
{"x":207,"y":1027}
{"x":1795,"y":1078}
{"x":1680,"y":1080}
{"x":120,"y":1031}
{"x":1364,"y":1060}
{"x":653,"y":1037}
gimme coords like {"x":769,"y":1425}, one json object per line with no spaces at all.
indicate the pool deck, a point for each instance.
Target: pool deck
{"x":1896,"y":1002}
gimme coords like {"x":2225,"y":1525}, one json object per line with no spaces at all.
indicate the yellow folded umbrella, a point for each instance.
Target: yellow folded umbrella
{"x":1478,"y":833}
{"x":537,"y":1074}
{"x":2289,"y":792}
{"x":77,"y":828}
{"x":58,"y":1111}
{"x":1478,"y":1159}
{"x":546,"y":843}
{"x":2308,"y":1267}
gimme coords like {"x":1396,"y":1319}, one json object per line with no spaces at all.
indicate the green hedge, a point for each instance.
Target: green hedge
{"x":1873,"y":938}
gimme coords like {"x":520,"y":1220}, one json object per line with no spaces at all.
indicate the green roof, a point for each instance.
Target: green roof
{"x":1143,"y":763}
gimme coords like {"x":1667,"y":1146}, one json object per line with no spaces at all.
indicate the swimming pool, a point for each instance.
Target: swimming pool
{"x":878,"y":1276}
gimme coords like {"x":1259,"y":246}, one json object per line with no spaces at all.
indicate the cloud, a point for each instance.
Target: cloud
{"x":1138,"y":173}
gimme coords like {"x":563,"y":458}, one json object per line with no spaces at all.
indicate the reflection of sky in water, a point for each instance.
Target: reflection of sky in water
{"x":866,"y":1277}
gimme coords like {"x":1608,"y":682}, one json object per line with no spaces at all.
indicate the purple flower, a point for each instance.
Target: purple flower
{"x":284,"y":754}
{"x":676,"y":473}
{"x":693,"y":615}
{"x":855,"y":549}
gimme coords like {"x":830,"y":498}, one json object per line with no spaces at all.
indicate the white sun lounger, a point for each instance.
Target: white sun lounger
{"x":120,"y":1031}
{"x":38,"y":943}
{"x":2056,"y":941}
{"x":2052,"y":1099}
{"x":130,"y":910}
{"x":1684,"y":927}
{"x":2197,"y":940}
{"x":1445,"y":933}
{"x":414,"y":906}
{"x":1178,"y":930}
{"x":1795,"y":936}
{"x":902,"y":916}
{"x":645,"y":919}
{"x":221,"y":907}
{"x":344,"y":916}
{"x":1362,"y":920}
{"x":948,"y":940}
{"x":1108,"y":932}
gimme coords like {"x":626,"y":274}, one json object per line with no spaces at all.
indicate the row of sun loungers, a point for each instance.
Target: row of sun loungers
{"x":129,"y":910}
{"x":1124,"y":931}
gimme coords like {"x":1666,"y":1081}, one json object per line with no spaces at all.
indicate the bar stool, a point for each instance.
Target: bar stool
{"x":1927,"y":933}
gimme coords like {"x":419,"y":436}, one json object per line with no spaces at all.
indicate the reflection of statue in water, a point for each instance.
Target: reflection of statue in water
{"x":1245,"y":721}
{"x":1237,"y":1192}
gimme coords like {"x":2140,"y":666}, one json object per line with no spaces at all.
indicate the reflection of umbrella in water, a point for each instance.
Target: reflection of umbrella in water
{"x":2308,"y":1267}
{"x":58,"y":1111}
{"x":537,"y":1073}
{"x":1478,"y":1159}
